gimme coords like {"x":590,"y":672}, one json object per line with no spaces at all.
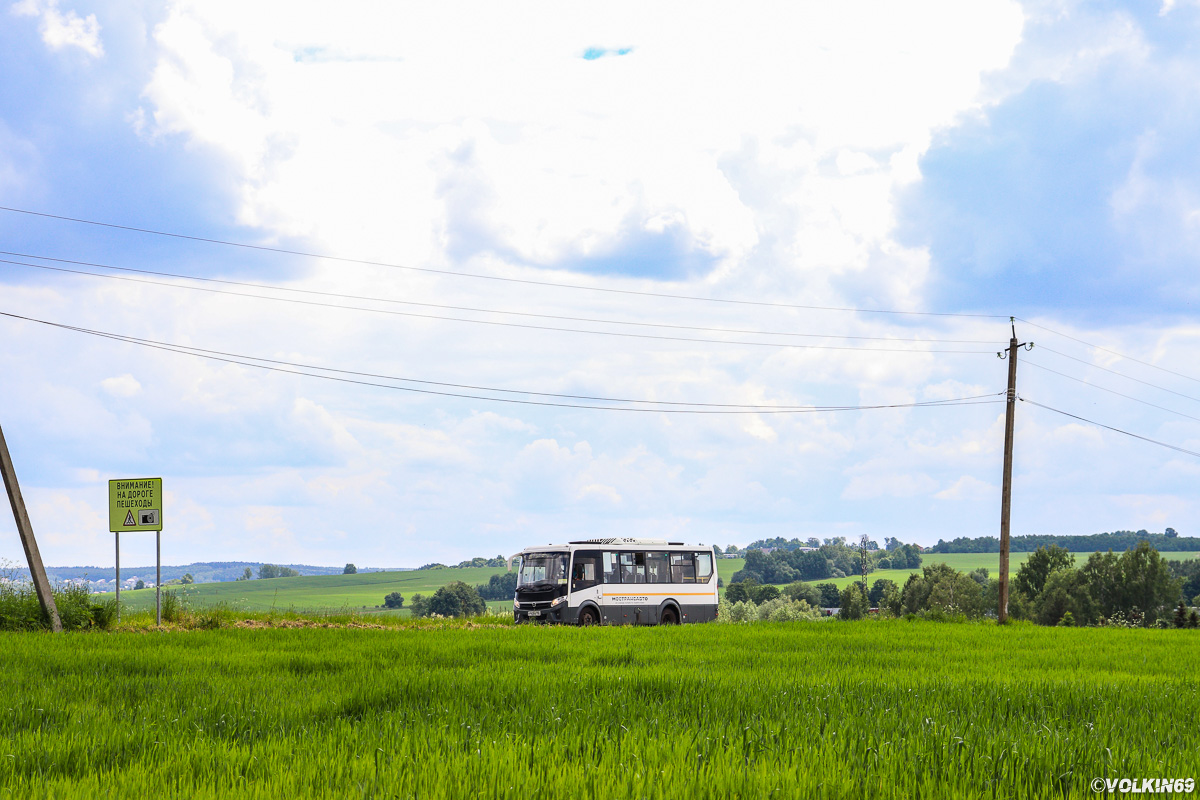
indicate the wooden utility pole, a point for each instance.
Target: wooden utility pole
{"x":1006,"y":492}
{"x":862,"y":544}
{"x":37,"y":571}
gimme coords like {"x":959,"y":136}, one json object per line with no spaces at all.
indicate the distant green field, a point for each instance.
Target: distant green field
{"x":318,"y":593}
{"x":873,"y":709}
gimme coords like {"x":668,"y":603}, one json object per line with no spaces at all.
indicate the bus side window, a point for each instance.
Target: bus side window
{"x":683,"y":569}
{"x":704,"y":567}
{"x":611,"y":571}
{"x":633,"y":567}
{"x":658,"y":568}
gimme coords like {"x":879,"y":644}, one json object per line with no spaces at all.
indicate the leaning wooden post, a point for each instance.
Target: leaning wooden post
{"x":34,"y":558}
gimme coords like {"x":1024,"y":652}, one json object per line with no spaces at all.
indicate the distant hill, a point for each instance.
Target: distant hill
{"x":201,"y":571}
{"x":1165,"y":542}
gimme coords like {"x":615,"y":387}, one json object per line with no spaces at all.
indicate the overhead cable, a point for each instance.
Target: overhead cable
{"x":1110,"y":351}
{"x":1120,"y":374}
{"x":311,"y":371}
{"x":524,"y":325}
{"x":1110,"y":391}
{"x":319,"y":293}
{"x":1111,"y":428}
{"x":482,"y":276}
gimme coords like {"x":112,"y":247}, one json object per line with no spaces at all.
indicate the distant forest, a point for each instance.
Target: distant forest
{"x":1167,"y":541}
{"x":201,"y":572}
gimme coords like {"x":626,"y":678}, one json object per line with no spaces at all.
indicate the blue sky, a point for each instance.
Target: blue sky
{"x":1063,"y":197}
{"x":1035,"y":160}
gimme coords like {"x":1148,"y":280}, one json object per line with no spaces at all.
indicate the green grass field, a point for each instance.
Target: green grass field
{"x":881,"y":709}
{"x":318,"y":593}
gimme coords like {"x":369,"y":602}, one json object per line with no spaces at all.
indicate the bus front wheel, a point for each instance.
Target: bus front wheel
{"x":588,"y":617}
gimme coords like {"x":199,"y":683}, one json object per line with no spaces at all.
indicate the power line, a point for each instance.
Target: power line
{"x":1111,"y":428}
{"x":1122,"y":375}
{"x":342,"y":296}
{"x":527,"y":326}
{"x":1110,"y":391}
{"x":1112,"y":352}
{"x":481,"y":276}
{"x":273,"y":365}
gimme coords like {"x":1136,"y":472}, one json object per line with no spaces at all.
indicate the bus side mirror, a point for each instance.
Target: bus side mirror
{"x":511,"y":559}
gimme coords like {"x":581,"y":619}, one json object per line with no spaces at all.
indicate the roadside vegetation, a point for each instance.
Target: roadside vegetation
{"x":1135,"y":588}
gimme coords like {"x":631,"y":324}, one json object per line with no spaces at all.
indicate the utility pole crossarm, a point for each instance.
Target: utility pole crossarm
{"x":33,"y":557}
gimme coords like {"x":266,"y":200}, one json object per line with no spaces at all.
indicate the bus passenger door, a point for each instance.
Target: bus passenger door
{"x":610,"y":580}
{"x":585,"y":578}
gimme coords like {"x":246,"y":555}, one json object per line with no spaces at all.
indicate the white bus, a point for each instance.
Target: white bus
{"x":616,"y":582}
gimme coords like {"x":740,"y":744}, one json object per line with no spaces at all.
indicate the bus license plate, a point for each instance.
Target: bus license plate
{"x":535,"y":613}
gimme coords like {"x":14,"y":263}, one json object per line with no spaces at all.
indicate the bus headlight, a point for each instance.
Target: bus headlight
{"x":558,"y":601}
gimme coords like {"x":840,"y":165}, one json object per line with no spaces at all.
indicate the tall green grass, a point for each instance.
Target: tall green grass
{"x":876,"y":709}
{"x":77,"y":609}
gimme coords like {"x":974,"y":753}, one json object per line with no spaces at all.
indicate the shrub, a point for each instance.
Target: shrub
{"x":272,"y":571}
{"x":742,"y":611}
{"x":765,"y":594}
{"x":172,"y":607}
{"x":457,"y":599}
{"x":782,"y":609}
{"x":104,"y":615}
{"x":393,"y":600}
{"x":880,"y":589}
{"x":853,"y":603}
{"x":803,"y":591}
{"x":741,"y":590}
{"x":499,"y":587}
{"x":21,"y":611}
{"x":419,"y":605}
{"x":831,"y":596}
{"x":1031,"y":577}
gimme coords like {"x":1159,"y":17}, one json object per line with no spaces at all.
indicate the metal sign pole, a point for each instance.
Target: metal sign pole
{"x":136,"y":504}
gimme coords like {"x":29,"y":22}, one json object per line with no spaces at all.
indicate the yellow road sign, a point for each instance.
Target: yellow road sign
{"x":135,"y":504}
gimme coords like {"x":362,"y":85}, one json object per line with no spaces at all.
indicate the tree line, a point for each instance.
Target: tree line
{"x":478,"y":561}
{"x":1167,"y":541}
{"x":835,"y":559}
{"x":1135,"y":588}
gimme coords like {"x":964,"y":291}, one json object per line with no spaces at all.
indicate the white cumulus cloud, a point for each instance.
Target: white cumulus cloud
{"x":61,"y":29}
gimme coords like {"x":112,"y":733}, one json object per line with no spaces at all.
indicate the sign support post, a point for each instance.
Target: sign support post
{"x":136,"y":504}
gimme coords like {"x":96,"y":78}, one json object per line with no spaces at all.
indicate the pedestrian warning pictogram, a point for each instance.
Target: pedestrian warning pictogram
{"x":129,"y":518}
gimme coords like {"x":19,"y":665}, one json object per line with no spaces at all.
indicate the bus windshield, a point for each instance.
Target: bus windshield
{"x":542,"y":568}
